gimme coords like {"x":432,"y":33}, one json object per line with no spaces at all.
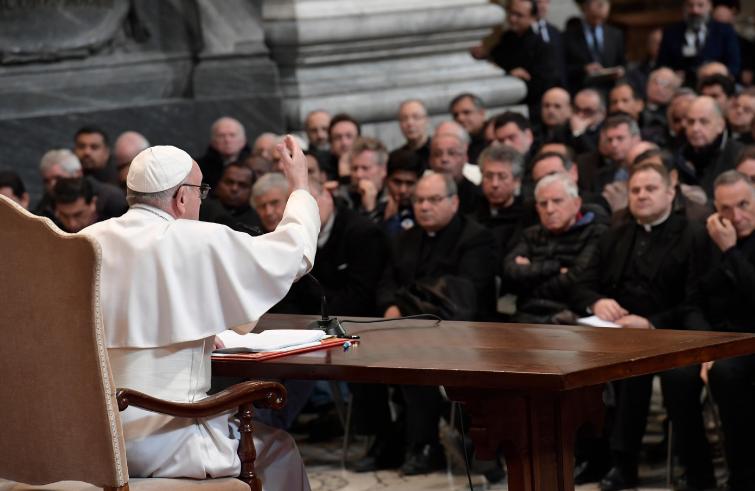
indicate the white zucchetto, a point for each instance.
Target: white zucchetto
{"x":158,"y":168}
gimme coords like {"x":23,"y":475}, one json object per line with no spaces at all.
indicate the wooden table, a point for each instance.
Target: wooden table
{"x":526,"y":387}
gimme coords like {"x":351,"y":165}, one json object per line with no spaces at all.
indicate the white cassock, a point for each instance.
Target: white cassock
{"x":167,"y":287}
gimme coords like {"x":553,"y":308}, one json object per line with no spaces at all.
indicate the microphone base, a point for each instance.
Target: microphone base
{"x":331,"y":327}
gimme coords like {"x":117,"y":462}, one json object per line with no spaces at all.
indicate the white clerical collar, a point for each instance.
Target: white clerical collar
{"x":649,"y":226}
{"x":326,"y":229}
{"x":153,"y":211}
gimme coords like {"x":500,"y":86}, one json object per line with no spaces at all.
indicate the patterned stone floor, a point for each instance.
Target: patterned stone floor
{"x":326,"y":472}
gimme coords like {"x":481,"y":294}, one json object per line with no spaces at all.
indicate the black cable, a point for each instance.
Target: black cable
{"x":405,"y":317}
{"x":464,"y":447}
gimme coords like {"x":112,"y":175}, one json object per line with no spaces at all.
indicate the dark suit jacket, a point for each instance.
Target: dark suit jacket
{"x":720,"y":45}
{"x":723,"y":160}
{"x":678,"y":257}
{"x":464,"y":249}
{"x":530,"y":52}
{"x":729,"y":287}
{"x":348,"y":267}
{"x":594,"y":172}
{"x":578,"y":53}
{"x":211,"y":164}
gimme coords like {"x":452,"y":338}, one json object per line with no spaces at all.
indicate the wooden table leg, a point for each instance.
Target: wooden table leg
{"x":535,"y":431}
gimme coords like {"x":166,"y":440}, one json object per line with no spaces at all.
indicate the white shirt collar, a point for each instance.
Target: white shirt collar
{"x":649,"y":226}
{"x":151,"y":210}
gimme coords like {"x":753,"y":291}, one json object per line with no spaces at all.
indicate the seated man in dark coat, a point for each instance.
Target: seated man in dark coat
{"x":709,"y":150}
{"x":542,"y":268}
{"x":232,"y":205}
{"x":448,"y":155}
{"x":729,"y":294}
{"x":501,"y":210}
{"x":646,"y":275}
{"x":227,"y":144}
{"x":446,"y":253}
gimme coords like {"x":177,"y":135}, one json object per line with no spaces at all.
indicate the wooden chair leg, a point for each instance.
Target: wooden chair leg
{"x":247,"y":453}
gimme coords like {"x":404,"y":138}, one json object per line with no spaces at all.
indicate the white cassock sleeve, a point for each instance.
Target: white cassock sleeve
{"x":187,"y":280}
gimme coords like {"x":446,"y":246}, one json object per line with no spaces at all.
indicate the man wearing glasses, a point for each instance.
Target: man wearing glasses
{"x":445,"y":252}
{"x":169,"y":284}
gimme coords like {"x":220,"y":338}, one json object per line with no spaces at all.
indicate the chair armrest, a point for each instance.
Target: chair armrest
{"x":267,"y":394}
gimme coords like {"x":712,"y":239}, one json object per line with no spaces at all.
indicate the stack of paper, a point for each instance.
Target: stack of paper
{"x":595,"y":321}
{"x":272,"y":340}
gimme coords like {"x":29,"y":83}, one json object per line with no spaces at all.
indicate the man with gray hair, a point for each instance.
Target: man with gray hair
{"x":542,"y":268}
{"x":366,"y":192}
{"x":709,"y":150}
{"x":448,"y":155}
{"x":502,"y":210}
{"x":227,"y":144}
{"x":64,"y":164}
{"x":269,"y":196}
{"x":169,"y":285}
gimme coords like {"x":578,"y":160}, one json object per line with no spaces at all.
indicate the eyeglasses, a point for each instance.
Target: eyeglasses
{"x":204,"y":189}
{"x":433,"y":200}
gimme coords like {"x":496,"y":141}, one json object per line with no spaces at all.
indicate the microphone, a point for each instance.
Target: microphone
{"x":331,"y":325}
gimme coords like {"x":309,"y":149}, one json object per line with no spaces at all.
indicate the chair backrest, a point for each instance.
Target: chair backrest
{"x":58,"y":414}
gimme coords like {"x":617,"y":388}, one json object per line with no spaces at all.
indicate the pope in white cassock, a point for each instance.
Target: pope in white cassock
{"x":169,"y":284}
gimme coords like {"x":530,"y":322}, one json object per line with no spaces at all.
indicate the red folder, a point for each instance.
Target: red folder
{"x":269,"y":355}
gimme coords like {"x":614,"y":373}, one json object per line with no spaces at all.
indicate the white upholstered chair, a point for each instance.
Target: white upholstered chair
{"x":59,"y":410}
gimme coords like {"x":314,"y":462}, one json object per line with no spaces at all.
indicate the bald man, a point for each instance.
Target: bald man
{"x":709,"y":150}
{"x":413,"y":122}
{"x":555,"y":111}
{"x":227,"y":144}
{"x":126,"y":147}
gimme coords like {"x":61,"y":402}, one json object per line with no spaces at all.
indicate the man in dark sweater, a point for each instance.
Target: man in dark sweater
{"x":644,"y":276}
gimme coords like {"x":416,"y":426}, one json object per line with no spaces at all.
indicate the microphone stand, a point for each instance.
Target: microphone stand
{"x":331,"y":325}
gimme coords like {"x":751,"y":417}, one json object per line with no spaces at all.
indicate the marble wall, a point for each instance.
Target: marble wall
{"x":169,"y":68}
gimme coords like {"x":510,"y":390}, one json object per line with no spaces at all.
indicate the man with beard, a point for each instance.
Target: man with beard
{"x":92,"y":147}
{"x":697,"y":39}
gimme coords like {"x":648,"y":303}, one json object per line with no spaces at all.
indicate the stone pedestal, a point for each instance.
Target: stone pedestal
{"x":364,"y":58}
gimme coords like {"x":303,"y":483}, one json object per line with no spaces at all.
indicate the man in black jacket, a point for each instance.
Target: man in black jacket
{"x":543,"y":267}
{"x":729,"y":293}
{"x":709,"y":150}
{"x":645,"y":275}
{"x":446,"y":252}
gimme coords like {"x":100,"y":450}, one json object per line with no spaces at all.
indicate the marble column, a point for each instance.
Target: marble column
{"x":364,"y":58}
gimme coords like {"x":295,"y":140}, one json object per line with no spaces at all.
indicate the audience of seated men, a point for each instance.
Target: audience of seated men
{"x":11,"y":186}
{"x":468,"y":110}
{"x":62,"y":164}
{"x":645,"y":275}
{"x":709,"y":151}
{"x":592,"y":47}
{"x":686,"y":45}
{"x":227,"y":144}
{"x":544,"y":265}
{"x":451,"y":255}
